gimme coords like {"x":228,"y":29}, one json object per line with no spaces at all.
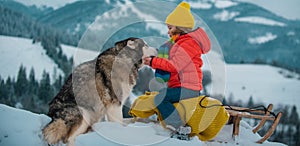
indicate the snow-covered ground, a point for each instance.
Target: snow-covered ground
{"x":20,"y":127}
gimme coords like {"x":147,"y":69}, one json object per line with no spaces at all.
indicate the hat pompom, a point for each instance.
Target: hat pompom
{"x":181,"y":16}
{"x":185,"y":5}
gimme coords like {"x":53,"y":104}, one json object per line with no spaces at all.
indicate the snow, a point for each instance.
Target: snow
{"x":221,"y":4}
{"x":265,"y":83}
{"x":15,"y":52}
{"x":200,"y":5}
{"x":161,"y":27}
{"x":225,"y":15}
{"x":259,"y":20}
{"x":19,"y":127}
{"x":262,"y":39}
{"x":135,"y":15}
{"x":79,"y":55}
{"x":55,"y":4}
{"x":107,"y":1}
{"x":291,"y":33}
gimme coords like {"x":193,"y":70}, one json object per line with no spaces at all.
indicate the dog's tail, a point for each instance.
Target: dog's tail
{"x":55,"y":131}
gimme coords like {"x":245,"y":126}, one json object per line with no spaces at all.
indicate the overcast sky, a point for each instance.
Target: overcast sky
{"x":287,"y":8}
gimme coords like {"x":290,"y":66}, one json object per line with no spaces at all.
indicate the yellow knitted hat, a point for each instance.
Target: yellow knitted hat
{"x":181,"y":16}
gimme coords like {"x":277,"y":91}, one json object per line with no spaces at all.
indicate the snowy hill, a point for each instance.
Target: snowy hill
{"x":19,"y":127}
{"x":15,"y":52}
{"x":19,"y":51}
{"x":266,"y":84}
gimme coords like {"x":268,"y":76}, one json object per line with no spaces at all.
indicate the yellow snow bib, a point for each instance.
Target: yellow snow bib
{"x":205,"y":122}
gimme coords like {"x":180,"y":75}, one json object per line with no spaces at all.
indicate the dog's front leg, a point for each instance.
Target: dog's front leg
{"x":114,"y":113}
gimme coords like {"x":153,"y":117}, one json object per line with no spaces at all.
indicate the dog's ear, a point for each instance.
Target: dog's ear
{"x":131,"y":44}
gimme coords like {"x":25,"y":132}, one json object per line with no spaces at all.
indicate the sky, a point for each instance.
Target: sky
{"x":289,"y":9}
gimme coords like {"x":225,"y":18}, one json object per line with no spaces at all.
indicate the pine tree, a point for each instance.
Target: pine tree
{"x":294,"y":117}
{"x":45,"y":92}
{"x":21,"y":85}
{"x":297,"y":134}
{"x":58,"y":83}
{"x":10,"y":91}
{"x":3,"y":92}
{"x":285,"y":115}
{"x":289,"y":135}
{"x":33,"y":84}
{"x":250,"y":102}
{"x":230,"y":100}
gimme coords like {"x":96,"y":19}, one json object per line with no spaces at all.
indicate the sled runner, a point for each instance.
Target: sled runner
{"x":265,"y":114}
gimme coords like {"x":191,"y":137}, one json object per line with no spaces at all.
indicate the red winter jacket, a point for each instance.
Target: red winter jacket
{"x":184,"y":63}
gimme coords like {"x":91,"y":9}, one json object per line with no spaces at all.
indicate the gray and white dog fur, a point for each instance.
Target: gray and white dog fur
{"x":96,"y":89}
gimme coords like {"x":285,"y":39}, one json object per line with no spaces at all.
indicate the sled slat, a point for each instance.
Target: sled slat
{"x":236,"y":125}
{"x":237,"y":113}
{"x":248,"y":115}
{"x":263,"y":121}
{"x":272,"y":129}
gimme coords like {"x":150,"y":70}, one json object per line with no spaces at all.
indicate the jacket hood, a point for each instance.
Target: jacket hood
{"x":200,"y":36}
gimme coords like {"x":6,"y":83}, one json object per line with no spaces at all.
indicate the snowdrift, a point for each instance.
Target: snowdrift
{"x":19,"y":127}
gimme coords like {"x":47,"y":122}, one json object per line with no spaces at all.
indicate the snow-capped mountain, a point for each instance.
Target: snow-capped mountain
{"x":246,"y":32}
{"x":20,"y":127}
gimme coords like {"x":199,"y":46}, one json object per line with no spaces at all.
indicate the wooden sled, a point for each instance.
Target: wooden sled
{"x":237,"y":113}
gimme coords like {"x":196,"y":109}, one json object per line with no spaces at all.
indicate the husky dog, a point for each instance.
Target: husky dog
{"x":96,"y":89}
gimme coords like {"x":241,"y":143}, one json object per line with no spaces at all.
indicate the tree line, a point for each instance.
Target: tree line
{"x":27,"y":92}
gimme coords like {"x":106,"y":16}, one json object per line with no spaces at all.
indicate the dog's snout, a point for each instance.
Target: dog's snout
{"x":154,"y":51}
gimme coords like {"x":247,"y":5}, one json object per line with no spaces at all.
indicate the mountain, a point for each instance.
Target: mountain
{"x":19,"y":127}
{"x":31,"y":10}
{"x":246,"y":32}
